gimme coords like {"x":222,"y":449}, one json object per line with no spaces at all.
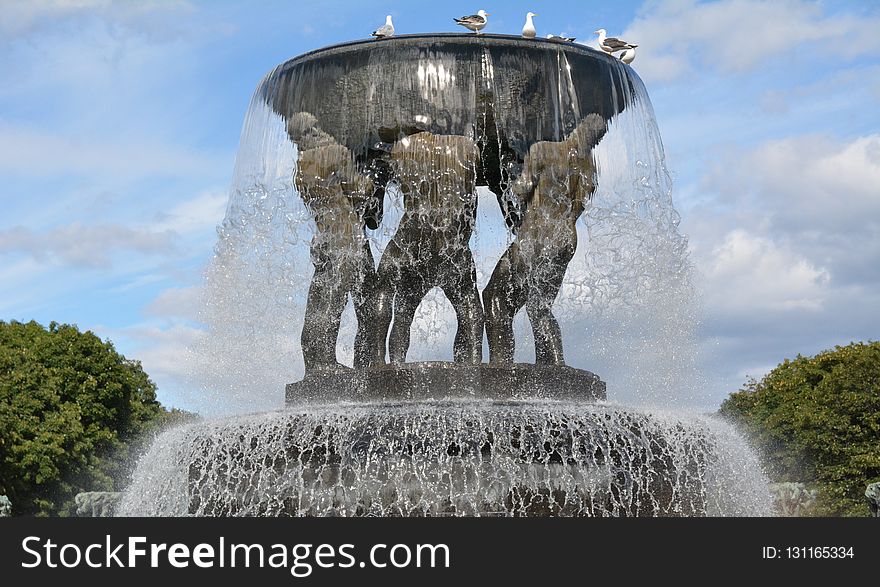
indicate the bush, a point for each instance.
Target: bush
{"x":817,"y":419}
{"x":72,"y":411}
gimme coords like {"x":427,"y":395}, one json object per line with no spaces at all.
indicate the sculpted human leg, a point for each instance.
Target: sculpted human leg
{"x":406,"y":302}
{"x":544,"y":286}
{"x":436,"y":174}
{"x":363,"y":296}
{"x":326,"y":301}
{"x":552,"y":192}
{"x":461,"y":290}
{"x":327,"y":180}
{"x":503,"y":296}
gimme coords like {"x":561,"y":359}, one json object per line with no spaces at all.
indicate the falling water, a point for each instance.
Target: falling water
{"x":450,"y":458}
{"x":626,"y":306}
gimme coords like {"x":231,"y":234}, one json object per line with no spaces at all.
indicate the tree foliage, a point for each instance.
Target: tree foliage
{"x":72,"y":410}
{"x":817,"y":419}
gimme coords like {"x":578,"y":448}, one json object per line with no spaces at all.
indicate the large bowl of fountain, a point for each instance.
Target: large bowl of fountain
{"x":428,"y":119}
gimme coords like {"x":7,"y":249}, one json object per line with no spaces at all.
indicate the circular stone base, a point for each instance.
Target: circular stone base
{"x":449,"y":458}
{"x":440,"y":380}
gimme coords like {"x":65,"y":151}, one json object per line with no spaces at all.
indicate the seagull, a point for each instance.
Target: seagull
{"x":475,"y":22}
{"x":561,"y":38}
{"x":629,"y":55}
{"x":529,"y":31}
{"x":386,"y":30}
{"x":611,"y":44}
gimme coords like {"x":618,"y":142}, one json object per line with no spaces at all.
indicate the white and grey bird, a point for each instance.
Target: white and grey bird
{"x":529,"y":31}
{"x":611,"y":45}
{"x":561,"y":38}
{"x":475,"y":22}
{"x":386,"y":30}
{"x":629,"y":55}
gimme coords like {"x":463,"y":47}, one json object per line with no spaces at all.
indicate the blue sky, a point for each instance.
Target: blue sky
{"x":119,"y":122}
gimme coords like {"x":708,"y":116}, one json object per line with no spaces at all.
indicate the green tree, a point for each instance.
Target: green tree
{"x":72,"y":412}
{"x":817,"y":419}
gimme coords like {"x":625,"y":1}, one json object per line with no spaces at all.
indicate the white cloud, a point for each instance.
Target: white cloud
{"x":94,"y":245}
{"x":679,"y":36}
{"x":748,"y":273}
{"x":162,"y":350}
{"x":807,"y":202}
{"x":839,"y":92}
{"x":32,"y":152}
{"x":19,"y":18}
{"x":811,"y":194}
{"x":101,"y":90}
{"x":176,"y":302}
{"x":205,"y":211}
{"x":83,"y":246}
{"x":786,"y":238}
{"x":817,"y":183}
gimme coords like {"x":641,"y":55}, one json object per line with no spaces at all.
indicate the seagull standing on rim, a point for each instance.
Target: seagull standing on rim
{"x":475,"y":22}
{"x":529,"y":31}
{"x":386,"y":30}
{"x":611,"y":44}
{"x":629,"y":55}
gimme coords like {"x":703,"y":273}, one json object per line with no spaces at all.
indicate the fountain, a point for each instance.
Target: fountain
{"x":397,"y":151}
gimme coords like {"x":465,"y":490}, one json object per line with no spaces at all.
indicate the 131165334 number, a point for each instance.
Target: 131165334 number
{"x":808,"y":552}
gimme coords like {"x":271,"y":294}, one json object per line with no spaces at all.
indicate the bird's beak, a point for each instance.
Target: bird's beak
{"x":595,"y":32}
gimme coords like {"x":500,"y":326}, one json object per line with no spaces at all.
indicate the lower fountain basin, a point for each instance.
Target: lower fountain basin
{"x":455,"y":457}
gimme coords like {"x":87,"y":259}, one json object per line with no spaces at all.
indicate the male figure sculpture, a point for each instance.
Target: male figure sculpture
{"x":437,"y":175}
{"x":556,"y":184}
{"x":340,"y":200}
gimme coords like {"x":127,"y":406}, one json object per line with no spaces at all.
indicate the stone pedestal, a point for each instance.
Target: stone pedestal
{"x":443,"y":381}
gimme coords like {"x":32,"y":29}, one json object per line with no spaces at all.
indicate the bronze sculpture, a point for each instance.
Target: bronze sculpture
{"x":556,"y":183}
{"x":342,"y":202}
{"x":437,"y":175}
{"x":436,"y":124}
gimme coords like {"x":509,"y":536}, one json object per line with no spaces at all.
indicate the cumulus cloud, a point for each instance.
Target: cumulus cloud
{"x":176,"y":303}
{"x":95,"y":245}
{"x":787,"y":242}
{"x":83,"y":246}
{"x":19,"y":19}
{"x":815,"y":182}
{"x":749,"y":273}
{"x":680,"y":36}
{"x":809,"y":193}
{"x":162,"y":349}
{"x":33,"y":152}
{"x":205,"y":211}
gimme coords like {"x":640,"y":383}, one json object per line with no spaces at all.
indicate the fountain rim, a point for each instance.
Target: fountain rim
{"x":418,"y":39}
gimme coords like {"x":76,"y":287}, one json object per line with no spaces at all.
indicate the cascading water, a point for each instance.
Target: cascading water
{"x":626,"y":304}
{"x":450,"y":458}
